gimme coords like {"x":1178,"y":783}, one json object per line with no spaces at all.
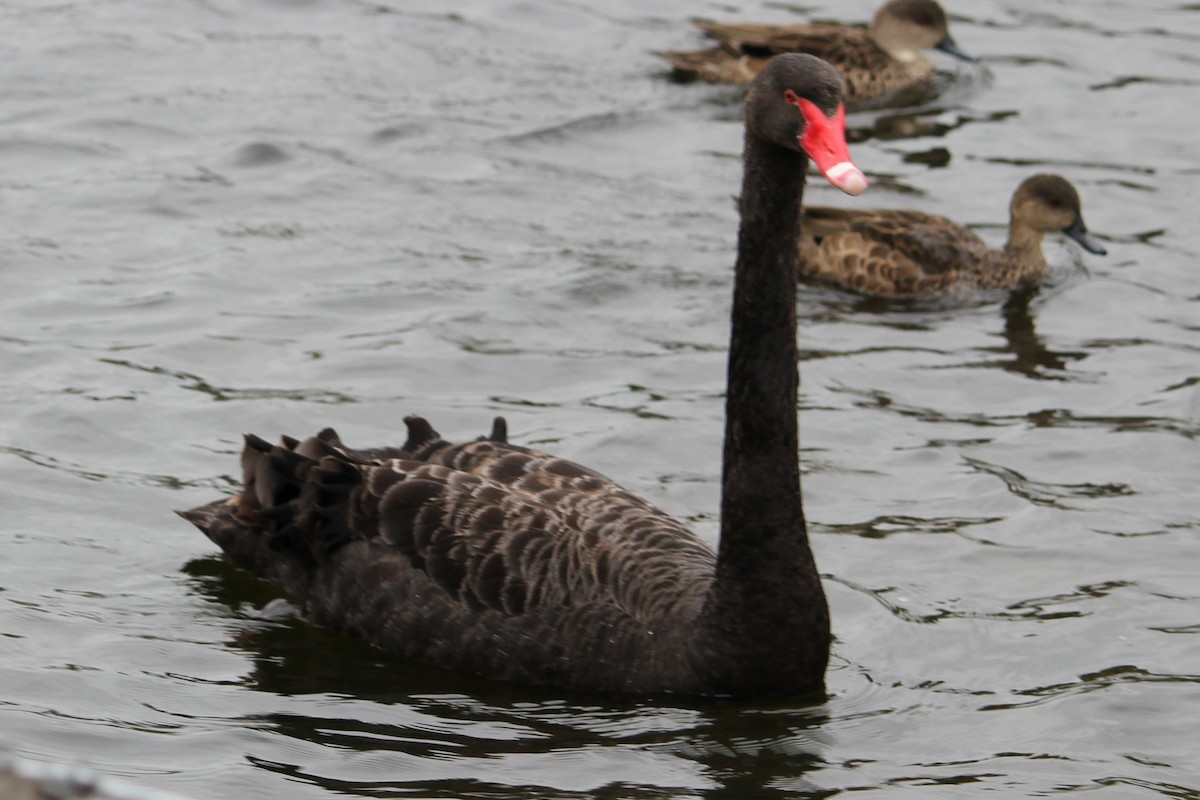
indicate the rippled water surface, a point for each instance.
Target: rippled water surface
{"x":274,"y":215}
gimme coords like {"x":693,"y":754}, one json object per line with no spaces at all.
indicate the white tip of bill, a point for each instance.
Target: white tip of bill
{"x":847,"y":177}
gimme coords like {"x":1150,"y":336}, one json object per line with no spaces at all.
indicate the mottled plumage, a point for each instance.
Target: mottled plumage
{"x":902,"y":253}
{"x":873,"y":61}
{"x":503,"y":545}
{"x":507,"y":562}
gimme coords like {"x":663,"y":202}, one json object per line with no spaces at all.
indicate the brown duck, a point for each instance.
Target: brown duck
{"x":873,"y":61}
{"x":507,"y":562}
{"x":901,"y":253}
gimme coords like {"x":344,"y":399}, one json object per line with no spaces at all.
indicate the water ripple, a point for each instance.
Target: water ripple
{"x":1124,"y":674}
{"x":1045,"y":493}
{"x":223,"y":483}
{"x":195,"y":383}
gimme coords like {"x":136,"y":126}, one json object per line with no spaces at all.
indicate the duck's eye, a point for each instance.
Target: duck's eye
{"x":925,"y":21}
{"x":1054,"y":201}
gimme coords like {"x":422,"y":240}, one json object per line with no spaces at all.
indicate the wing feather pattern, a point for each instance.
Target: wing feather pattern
{"x":888,"y":252}
{"x":449,"y":544}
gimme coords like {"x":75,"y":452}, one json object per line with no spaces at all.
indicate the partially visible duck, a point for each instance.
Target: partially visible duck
{"x":25,"y":779}
{"x":902,"y":253}
{"x":507,"y":562}
{"x":873,"y":61}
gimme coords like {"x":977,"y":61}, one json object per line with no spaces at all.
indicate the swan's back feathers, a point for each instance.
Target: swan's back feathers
{"x":489,"y":535}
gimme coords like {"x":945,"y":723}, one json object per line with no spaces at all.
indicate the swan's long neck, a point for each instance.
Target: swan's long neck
{"x":766,"y":597}
{"x":760,"y":499}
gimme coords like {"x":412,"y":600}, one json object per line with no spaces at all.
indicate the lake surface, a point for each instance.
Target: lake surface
{"x":276,"y":215}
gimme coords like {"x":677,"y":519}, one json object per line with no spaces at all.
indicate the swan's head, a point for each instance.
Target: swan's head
{"x":1050,"y":204}
{"x":796,"y":102}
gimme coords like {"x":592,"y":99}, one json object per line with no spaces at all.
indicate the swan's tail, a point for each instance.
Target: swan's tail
{"x":298,"y":502}
{"x":269,"y":527}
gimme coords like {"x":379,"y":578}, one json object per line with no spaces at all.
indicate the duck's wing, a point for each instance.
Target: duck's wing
{"x":728,"y":61}
{"x":865,"y":67}
{"x":840,"y":45}
{"x":716,"y":64}
{"x":445,"y":551}
{"x":743,"y":49}
{"x":886,"y":251}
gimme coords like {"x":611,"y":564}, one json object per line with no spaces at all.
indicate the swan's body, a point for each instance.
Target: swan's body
{"x":873,"y":61}
{"x":902,"y":253}
{"x":506,"y":562}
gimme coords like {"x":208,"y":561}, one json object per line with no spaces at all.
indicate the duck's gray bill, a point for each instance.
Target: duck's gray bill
{"x":1079,"y":232}
{"x":948,"y":45}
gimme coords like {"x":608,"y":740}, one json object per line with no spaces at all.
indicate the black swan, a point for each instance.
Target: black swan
{"x":509,"y":563}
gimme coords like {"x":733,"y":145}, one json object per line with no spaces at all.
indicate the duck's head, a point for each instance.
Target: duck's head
{"x":1050,"y":204}
{"x":905,"y":27}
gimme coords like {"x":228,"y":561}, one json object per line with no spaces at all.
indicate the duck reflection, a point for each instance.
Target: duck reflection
{"x":1023,"y":351}
{"x":1030,"y":355}
{"x":934,"y":122}
{"x":462,"y":726}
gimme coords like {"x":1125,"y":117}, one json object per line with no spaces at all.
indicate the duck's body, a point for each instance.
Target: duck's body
{"x":904,"y":253}
{"x":873,"y":61}
{"x":506,"y":562}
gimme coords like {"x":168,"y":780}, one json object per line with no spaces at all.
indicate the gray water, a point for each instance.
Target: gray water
{"x":223,"y":216}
